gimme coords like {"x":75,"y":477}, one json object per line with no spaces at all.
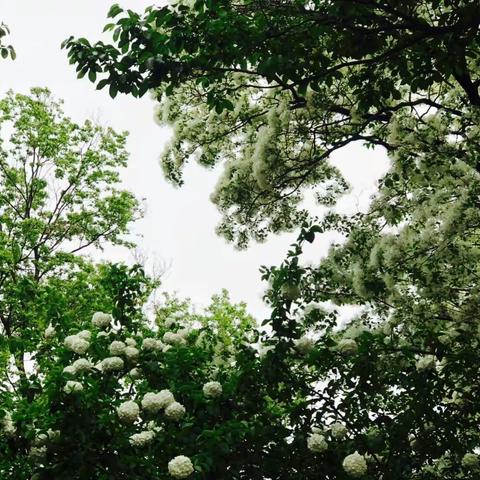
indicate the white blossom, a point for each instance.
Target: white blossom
{"x":70,"y":369}
{"x":81,"y":365}
{"x":355,"y":465}
{"x":317,"y":443}
{"x":101,"y":320}
{"x":173,"y":338}
{"x":135,"y":373}
{"x":304,"y":345}
{"x":131,"y":353}
{"x":85,"y":335}
{"x":175,"y":411}
{"x":180,"y":467}
{"x":131,"y":342}
{"x":426,"y":362}
{"x":49,"y":332}
{"x":37,"y":454}
{"x":347,"y":346}
{"x":7,"y":427}
{"x":153,"y":402}
{"x":73,"y":387}
{"x":141,"y":439}
{"x":212,"y":389}
{"x":76,"y":344}
{"x":338,"y":430}
{"x":128,"y":411}
{"x":116,"y":347}
{"x":111,"y":364}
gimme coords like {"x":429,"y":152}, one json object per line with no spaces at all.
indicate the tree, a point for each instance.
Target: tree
{"x":271,"y":89}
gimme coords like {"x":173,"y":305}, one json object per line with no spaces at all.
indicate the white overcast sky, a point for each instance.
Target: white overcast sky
{"x":178,"y":228}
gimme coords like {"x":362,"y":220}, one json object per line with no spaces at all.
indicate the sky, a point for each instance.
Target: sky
{"x":177,"y":232}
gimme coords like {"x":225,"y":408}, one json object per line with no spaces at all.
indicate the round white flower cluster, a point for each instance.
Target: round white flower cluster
{"x":152,"y":344}
{"x":175,"y":411}
{"x":471,"y":461}
{"x":347,"y":346}
{"x":128,"y":411}
{"x":317,"y":443}
{"x":131,"y":342}
{"x":355,"y":465}
{"x":304,"y":345}
{"x":131,"y":353}
{"x":111,"y":364}
{"x":80,"y":366}
{"x":141,"y":439}
{"x":49,"y":332}
{"x":338,"y":430}
{"x":76,"y":344}
{"x":116,"y":348}
{"x":7,"y":426}
{"x":85,"y":335}
{"x":212,"y":389}
{"x":426,"y":362}
{"x":173,"y":338}
{"x":101,"y":320}
{"x":135,"y":373}
{"x":153,"y":402}
{"x":180,"y":467}
{"x":72,"y":387}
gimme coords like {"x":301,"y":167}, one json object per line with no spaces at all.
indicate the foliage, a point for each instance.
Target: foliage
{"x":270,"y":89}
{"x":5,"y":50}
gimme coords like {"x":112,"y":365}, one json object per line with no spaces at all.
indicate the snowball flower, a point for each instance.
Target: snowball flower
{"x":101,"y":320}
{"x":347,"y":346}
{"x":85,"y":335}
{"x":175,"y":411}
{"x":355,"y":465}
{"x":426,"y":362}
{"x":141,"y":439}
{"x":304,"y":345}
{"x":81,"y":365}
{"x":180,"y":467}
{"x":173,"y":338}
{"x":76,"y":344}
{"x":471,"y":461}
{"x":150,"y":343}
{"x":49,"y":332}
{"x":135,"y":373}
{"x":131,"y":353}
{"x":6,"y":424}
{"x":70,"y":369}
{"x":212,"y":389}
{"x":111,"y":364}
{"x":153,"y":402}
{"x":128,"y":411}
{"x":131,"y":342}
{"x":338,"y":431}
{"x":73,"y":387}
{"x":317,"y":443}
{"x":116,"y":348}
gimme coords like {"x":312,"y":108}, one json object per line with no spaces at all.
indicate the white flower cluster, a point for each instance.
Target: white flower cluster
{"x":175,"y":411}
{"x":212,"y":389}
{"x":152,"y":344}
{"x":111,"y":364}
{"x":73,"y":387}
{"x":141,"y":439}
{"x":304,"y":345}
{"x":76,"y":344}
{"x":116,"y":348}
{"x":338,"y":431}
{"x":7,"y":426}
{"x":426,"y":362}
{"x":347,"y":346}
{"x":131,"y":342}
{"x":317,"y":443}
{"x":128,"y":411}
{"x":355,"y":465}
{"x":101,"y":320}
{"x":135,"y":373}
{"x":81,"y":365}
{"x":180,"y":467}
{"x":49,"y":332}
{"x":172,"y":338}
{"x":131,"y":353}
{"x":153,"y":402}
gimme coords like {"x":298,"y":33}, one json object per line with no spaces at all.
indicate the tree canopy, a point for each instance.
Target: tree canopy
{"x":271,"y":89}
